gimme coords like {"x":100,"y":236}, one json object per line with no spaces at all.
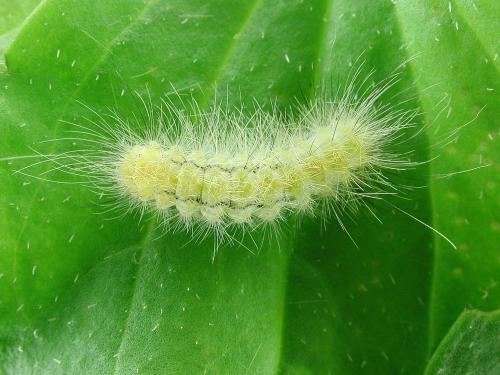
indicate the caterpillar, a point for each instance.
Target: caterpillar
{"x":228,"y":168}
{"x":253,"y":176}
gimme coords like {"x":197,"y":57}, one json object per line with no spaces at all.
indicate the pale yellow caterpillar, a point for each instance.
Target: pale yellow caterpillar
{"x":252,"y":176}
{"x":228,"y":168}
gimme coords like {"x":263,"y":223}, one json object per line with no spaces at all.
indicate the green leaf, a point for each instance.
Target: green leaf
{"x":83,"y":294}
{"x":470,"y":347}
{"x":459,"y":53}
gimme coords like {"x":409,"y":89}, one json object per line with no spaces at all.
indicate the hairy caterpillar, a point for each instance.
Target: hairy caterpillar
{"x":227,"y":168}
{"x":251,"y":176}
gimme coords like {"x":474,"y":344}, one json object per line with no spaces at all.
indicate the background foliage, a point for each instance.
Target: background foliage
{"x":82,"y":294}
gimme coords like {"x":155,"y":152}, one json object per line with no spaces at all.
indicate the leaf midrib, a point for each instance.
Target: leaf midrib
{"x":227,"y":55}
{"x":321,"y":55}
{"x":147,"y":237}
